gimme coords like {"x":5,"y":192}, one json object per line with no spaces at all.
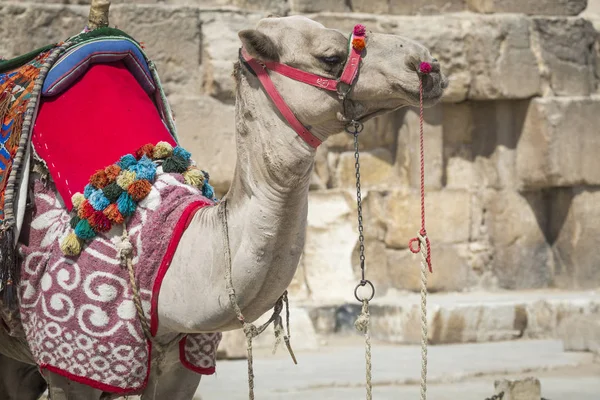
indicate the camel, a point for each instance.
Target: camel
{"x":267,"y":202}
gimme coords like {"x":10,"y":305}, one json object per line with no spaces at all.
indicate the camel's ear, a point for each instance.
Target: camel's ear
{"x":259,"y":45}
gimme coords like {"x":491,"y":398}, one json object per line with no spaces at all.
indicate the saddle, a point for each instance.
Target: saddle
{"x":31,"y":107}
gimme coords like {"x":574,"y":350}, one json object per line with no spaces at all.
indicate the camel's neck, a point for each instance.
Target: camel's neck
{"x":267,"y":209}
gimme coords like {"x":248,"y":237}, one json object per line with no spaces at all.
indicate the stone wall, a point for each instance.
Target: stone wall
{"x":511,"y":153}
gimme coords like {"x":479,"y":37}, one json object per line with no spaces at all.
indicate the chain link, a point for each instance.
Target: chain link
{"x":355,"y":128}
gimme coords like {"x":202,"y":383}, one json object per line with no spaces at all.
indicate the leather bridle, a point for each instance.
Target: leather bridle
{"x":343,"y":85}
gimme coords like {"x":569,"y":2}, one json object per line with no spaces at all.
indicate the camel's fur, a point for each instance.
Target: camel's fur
{"x":268,"y":198}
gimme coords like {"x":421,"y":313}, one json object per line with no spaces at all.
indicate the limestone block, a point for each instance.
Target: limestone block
{"x":330,"y":240}
{"x":206,"y":128}
{"x":408,"y":151}
{"x":171,"y":36}
{"x":233,"y":346}
{"x":539,"y":7}
{"x":378,"y":132}
{"x":451,"y":271}
{"x":448,"y":217}
{"x":220,"y":46}
{"x":376,"y":168}
{"x":559,"y":145}
{"x":523,"y":258}
{"x":311,"y":6}
{"x":576,"y":224}
{"x":565,"y":49}
{"x":523,"y":389}
{"x":581,"y":333}
{"x":303,"y":334}
{"x":407,"y":8}
{"x":277,"y":7}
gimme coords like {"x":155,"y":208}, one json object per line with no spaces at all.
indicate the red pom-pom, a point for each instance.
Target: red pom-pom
{"x":85,"y":210}
{"x":99,"y":222}
{"x":360,"y":30}
{"x":359,"y":43}
{"x":145,"y":150}
{"x":112,"y":212}
{"x":425,"y":68}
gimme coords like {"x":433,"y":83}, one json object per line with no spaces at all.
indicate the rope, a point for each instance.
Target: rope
{"x":250,"y":330}
{"x":362,"y":325}
{"x":422,"y":242}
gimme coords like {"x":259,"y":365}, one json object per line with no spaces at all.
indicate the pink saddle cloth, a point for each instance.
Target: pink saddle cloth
{"x":78,"y":313}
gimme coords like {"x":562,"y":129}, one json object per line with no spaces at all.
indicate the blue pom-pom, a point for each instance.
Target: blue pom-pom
{"x":208,"y":191}
{"x":145,"y":169}
{"x":126,"y":205}
{"x":181,"y":152}
{"x":127,"y":161}
{"x":88,"y":190}
{"x":98,"y":200}
{"x":84,"y":231}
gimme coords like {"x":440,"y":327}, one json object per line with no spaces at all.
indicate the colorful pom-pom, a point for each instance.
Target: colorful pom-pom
{"x":194,"y":177}
{"x":74,"y":221}
{"x":84,"y":231}
{"x":85,"y":210}
{"x":77,"y":199}
{"x":425,"y":68}
{"x":99,"y":222}
{"x":71,"y":245}
{"x":125,"y":179}
{"x":112,"y":172}
{"x":162,"y":150}
{"x":175,"y":164}
{"x":126,"y":205}
{"x":145,"y":169}
{"x":138,"y":190}
{"x":359,"y":43}
{"x":88,"y":190}
{"x":181,"y":152}
{"x":112,"y":213}
{"x":127,"y":161}
{"x":99,"y":179}
{"x":99,"y":201}
{"x":112,"y":192}
{"x":360,"y":30}
{"x":146,"y":150}
{"x":208,"y":191}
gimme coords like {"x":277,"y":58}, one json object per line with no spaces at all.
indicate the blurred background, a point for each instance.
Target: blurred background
{"x":512,"y":178}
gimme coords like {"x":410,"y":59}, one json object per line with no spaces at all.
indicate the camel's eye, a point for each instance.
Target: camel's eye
{"x":331,"y":60}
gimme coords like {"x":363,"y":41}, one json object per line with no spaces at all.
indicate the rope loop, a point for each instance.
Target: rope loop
{"x":421,"y":240}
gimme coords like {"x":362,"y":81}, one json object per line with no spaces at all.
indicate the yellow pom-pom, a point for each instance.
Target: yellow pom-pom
{"x":194,"y":177}
{"x":162,"y":150}
{"x":71,"y":245}
{"x":125,"y":179}
{"x":77,"y":199}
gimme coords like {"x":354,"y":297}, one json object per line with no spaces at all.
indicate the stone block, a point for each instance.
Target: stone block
{"x":277,"y":7}
{"x":581,"y":333}
{"x":376,"y":168}
{"x":523,"y":258}
{"x":539,"y":7}
{"x":408,"y":151}
{"x":303,"y":334}
{"x":312,"y":6}
{"x":200,"y":121}
{"x":565,"y":50}
{"x":450,"y":266}
{"x":576,"y":225}
{"x":448,"y":217}
{"x":559,"y":145}
{"x":220,"y":46}
{"x":233,"y":346}
{"x":378,"y":132}
{"x":522,"y":389}
{"x":407,"y":8}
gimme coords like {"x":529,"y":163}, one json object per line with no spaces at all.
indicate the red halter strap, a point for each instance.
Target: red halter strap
{"x":357,"y":45}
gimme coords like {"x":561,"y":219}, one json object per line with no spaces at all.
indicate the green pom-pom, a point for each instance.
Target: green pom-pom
{"x":74,"y":221}
{"x":175,"y":164}
{"x":112,"y":192}
{"x":84,"y":231}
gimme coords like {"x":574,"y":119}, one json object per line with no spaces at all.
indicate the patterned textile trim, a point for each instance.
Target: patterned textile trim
{"x":19,"y":95}
{"x":114,"y":192}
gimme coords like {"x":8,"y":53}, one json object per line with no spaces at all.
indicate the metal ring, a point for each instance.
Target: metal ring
{"x":357,"y":127}
{"x":364,"y":283}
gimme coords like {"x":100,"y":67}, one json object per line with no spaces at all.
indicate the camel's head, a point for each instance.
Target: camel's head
{"x":388,"y":77}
